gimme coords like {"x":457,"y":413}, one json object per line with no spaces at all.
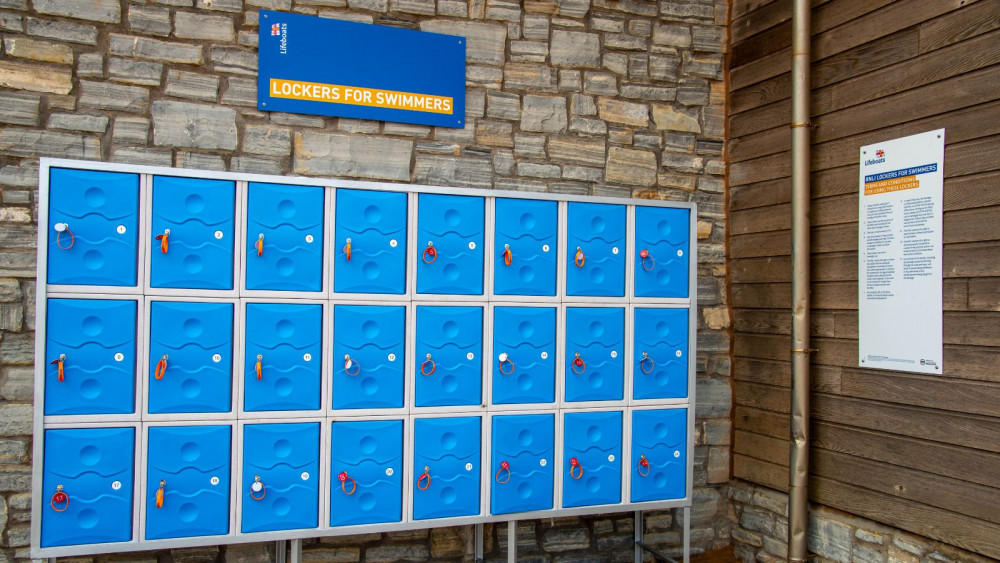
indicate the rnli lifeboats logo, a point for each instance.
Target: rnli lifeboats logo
{"x":880,"y":153}
{"x":276,"y":29}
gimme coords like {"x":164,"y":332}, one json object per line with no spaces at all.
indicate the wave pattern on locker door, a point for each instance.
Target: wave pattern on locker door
{"x":658,"y":437}
{"x":595,"y":353}
{"x":200,"y":217}
{"x":94,"y":339}
{"x":375,"y":224}
{"x":449,"y":244}
{"x":662,"y":373}
{"x":286,"y":459}
{"x":595,"y":250}
{"x":191,"y":465}
{"x":284,"y":238}
{"x":368,"y":356}
{"x":197,"y":340}
{"x":448,"y":450}
{"x":369,"y":456}
{"x":100,"y":243}
{"x":662,"y":234}
{"x":287,"y":341}
{"x":525,"y":443}
{"x":448,"y":356}
{"x":594,"y":440}
{"x":525,"y":337}
{"x":527,"y":229}
{"x":93,"y":468}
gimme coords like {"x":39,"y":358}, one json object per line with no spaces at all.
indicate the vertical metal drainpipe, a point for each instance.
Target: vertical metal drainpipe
{"x":798,"y":474}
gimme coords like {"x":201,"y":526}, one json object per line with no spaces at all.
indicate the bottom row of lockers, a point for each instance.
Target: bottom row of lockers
{"x":187,"y":479}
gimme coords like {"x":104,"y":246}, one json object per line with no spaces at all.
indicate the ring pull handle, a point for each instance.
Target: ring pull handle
{"x":574,"y":464}
{"x":423,"y":366}
{"x":430,"y":253}
{"x":161,"y":368}
{"x":424,"y":478}
{"x":505,"y":359}
{"x":59,"y":497}
{"x":643,"y":465}
{"x":60,"y":363}
{"x":159,"y":494}
{"x":648,"y":262}
{"x":578,"y":365}
{"x":349,"y":364}
{"x":257,"y":487}
{"x":646,"y":364}
{"x":344,"y":478}
{"x":579,"y":259}
{"x":164,"y":240}
{"x":64,"y":228}
{"x":347,"y":250}
{"x":504,"y":466}
{"x":259,"y":367}
{"x":508,"y":256}
{"x":259,"y":245}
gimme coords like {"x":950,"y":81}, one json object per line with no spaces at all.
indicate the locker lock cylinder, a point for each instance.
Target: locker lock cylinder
{"x":579,"y":259}
{"x":648,"y":262}
{"x":349,"y":364}
{"x":60,"y":229}
{"x":574,"y":465}
{"x":578,"y":365}
{"x":159,"y":493}
{"x":257,"y":488}
{"x":164,"y":240}
{"x":60,"y":364}
{"x":424,"y":369}
{"x":424,"y":481}
{"x":646,"y":363}
{"x":505,"y":359}
{"x":643,"y":467}
{"x":503,"y":474}
{"x":259,"y":245}
{"x":430,"y":253}
{"x":59,"y":498}
{"x":344,"y":478}
{"x":259,"y":367}
{"x":347,"y":250}
{"x":161,"y":368}
{"x":508,"y":256}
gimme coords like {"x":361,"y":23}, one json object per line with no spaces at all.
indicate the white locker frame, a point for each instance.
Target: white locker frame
{"x":238,"y":296}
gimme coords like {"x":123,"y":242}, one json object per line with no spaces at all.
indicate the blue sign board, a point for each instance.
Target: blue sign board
{"x":322,"y":66}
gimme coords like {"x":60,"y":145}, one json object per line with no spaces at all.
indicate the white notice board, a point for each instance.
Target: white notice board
{"x":901,"y":189}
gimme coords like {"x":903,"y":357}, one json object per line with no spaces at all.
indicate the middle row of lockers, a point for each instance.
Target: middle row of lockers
{"x":194,"y":240}
{"x":191,"y":482}
{"x":288,"y":356}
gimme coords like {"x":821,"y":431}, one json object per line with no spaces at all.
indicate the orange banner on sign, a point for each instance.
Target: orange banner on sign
{"x":356,"y":96}
{"x":893,"y":185}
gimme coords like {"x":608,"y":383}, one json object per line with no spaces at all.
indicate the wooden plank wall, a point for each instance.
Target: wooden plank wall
{"x":921,"y":453}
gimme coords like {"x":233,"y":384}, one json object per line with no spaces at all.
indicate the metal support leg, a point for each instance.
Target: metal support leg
{"x":687,"y":534}
{"x":279,"y":551}
{"x":296,"y":551}
{"x":512,"y":541}
{"x":637,"y":526}
{"x":479,"y":543}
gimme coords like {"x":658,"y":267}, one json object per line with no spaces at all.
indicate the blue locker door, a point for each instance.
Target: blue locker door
{"x":526,"y":231}
{"x":93,"y":470}
{"x":660,"y":356}
{"x":194,"y":342}
{"x":594,"y":440}
{"x":199,"y":215}
{"x":284,"y":238}
{"x":191,"y":466}
{"x":449,"y":244}
{"x":446,"y":458}
{"x":372,"y":225}
{"x":284,"y":460}
{"x":366,"y":472}
{"x":368,"y":356}
{"x":95,"y":342}
{"x":286,"y":342}
{"x":595,"y":250}
{"x":99,"y":245}
{"x":661,"y":251}
{"x":659,"y":451}
{"x":522,"y":462}
{"x":595,"y":354}
{"x":448,"y":356}
{"x":524,"y":348}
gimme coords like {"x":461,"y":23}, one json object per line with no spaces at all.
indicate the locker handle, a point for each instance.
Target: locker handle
{"x":643,"y":464}
{"x":644,"y":256}
{"x":579,"y":259}
{"x":423,"y":366}
{"x":505,"y":359}
{"x":504,"y":466}
{"x":159,"y":494}
{"x":643,"y":364}
{"x":164,"y":240}
{"x":59,"y":498}
{"x":259,"y":245}
{"x":344,"y":478}
{"x":161,"y":368}
{"x":257,"y":487}
{"x":59,"y":363}
{"x":259,"y":368}
{"x":508,"y":256}
{"x":575,"y":464}
{"x":60,"y":229}
{"x":347,"y":250}
{"x":427,"y":474}
{"x":578,"y":365}
{"x":349,"y":363}
{"x":429,"y":252}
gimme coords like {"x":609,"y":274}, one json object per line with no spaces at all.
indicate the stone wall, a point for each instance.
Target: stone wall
{"x":759,"y":518}
{"x":597,"y":97}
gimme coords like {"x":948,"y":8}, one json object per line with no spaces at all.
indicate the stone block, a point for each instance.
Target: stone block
{"x":200,"y":126}
{"x":25,"y":48}
{"x":667,"y":118}
{"x":703,"y":65}
{"x":533,"y":77}
{"x":453,"y":171}
{"x":535,"y":27}
{"x":261,"y":139}
{"x":90,"y":65}
{"x":191,"y":25}
{"x":708,"y":38}
{"x":236,"y":61}
{"x":583,"y":173}
{"x":574,"y":48}
{"x":486,"y":42}
{"x":13,"y":451}
{"x":232,"y":5}
{"x":33,"y":143}
{"x":565,"y":539}
{"x":456,"y":8}
{"x":107,"y":11}
{"x":615,"y":62}
{"x":62,"y":31}
{"x":582,"y":105}
{"x":529,"y":51}
{"x":588,"y":126}
{"x":829,"y":539}
{"x":537,"y":170}
{"x":627,"y":113}
{"x":531,"y":146}
{"x":629,"y":166}
{"x":406,"y":130}
{"x":130,"y":130}
{"x":181,"y":84}
{"x":19,"y":109}
{"x":143,"y":73}
{"x":12,"y":22}
{"x":503,"y":161}
{"x":189,"y":159}
{"x":240,"y":92}
{"x":570,"y":81}
{"x":503,"y":106}
{"x":503,"y":10}
{"x":28,"y":76}
{"x":450,"y":541}
{"x":672,"y":35}
{"x":149,"y":20}
{"x":326,"y":154}
{"x":15,"y":418}
{"x":142,"y":155}
{"x":485,"y":76}
{"x":624,"y":42}
{"x":577,"y":151}
{"x":573,"y":8}
{"x":544,"y":113}
{"x":601,"y":83}
{"x":419,"y":7}
{"x":154,"y":49}
{"x":397,"y":552}
{"x":673,"y":10}
{"x":495,"y":133}
{"x":79,"y":122}
{"x":323,"y":554}
{"x":693,"y":95}
{"x":861,"y":553}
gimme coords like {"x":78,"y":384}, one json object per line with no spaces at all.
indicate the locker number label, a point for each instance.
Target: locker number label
{"x":216,"y":358}
{"x":121,"y":229}
{"x":115,"y":485}
{"x":543,"y":462}
{"x":392,"y":357}
{"x":680,"y":253}
{"x":309,"y":238}
{"x":468,"y":467}
{"x":389,"y":471}
{"x":470,"y":355}
{"x":214,"y":480}
{"x":614,"y":250}
{"x":545,"y":248}
{"x":614,"y":353}
{"x":218,"y":234}
{"x":307,"y":357}
{"x":305,"y":475}
{"x":393,"y":243}
{"x":119,"y":357}
{"x":678,"y":353}
{"x":677,"y":453}
{"x":472,"y":246}
{"x":611,"y":457}
{"x":545,"y":355}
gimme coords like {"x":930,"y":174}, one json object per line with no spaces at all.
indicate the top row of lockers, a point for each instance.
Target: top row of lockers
{"x":250,"y":238}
